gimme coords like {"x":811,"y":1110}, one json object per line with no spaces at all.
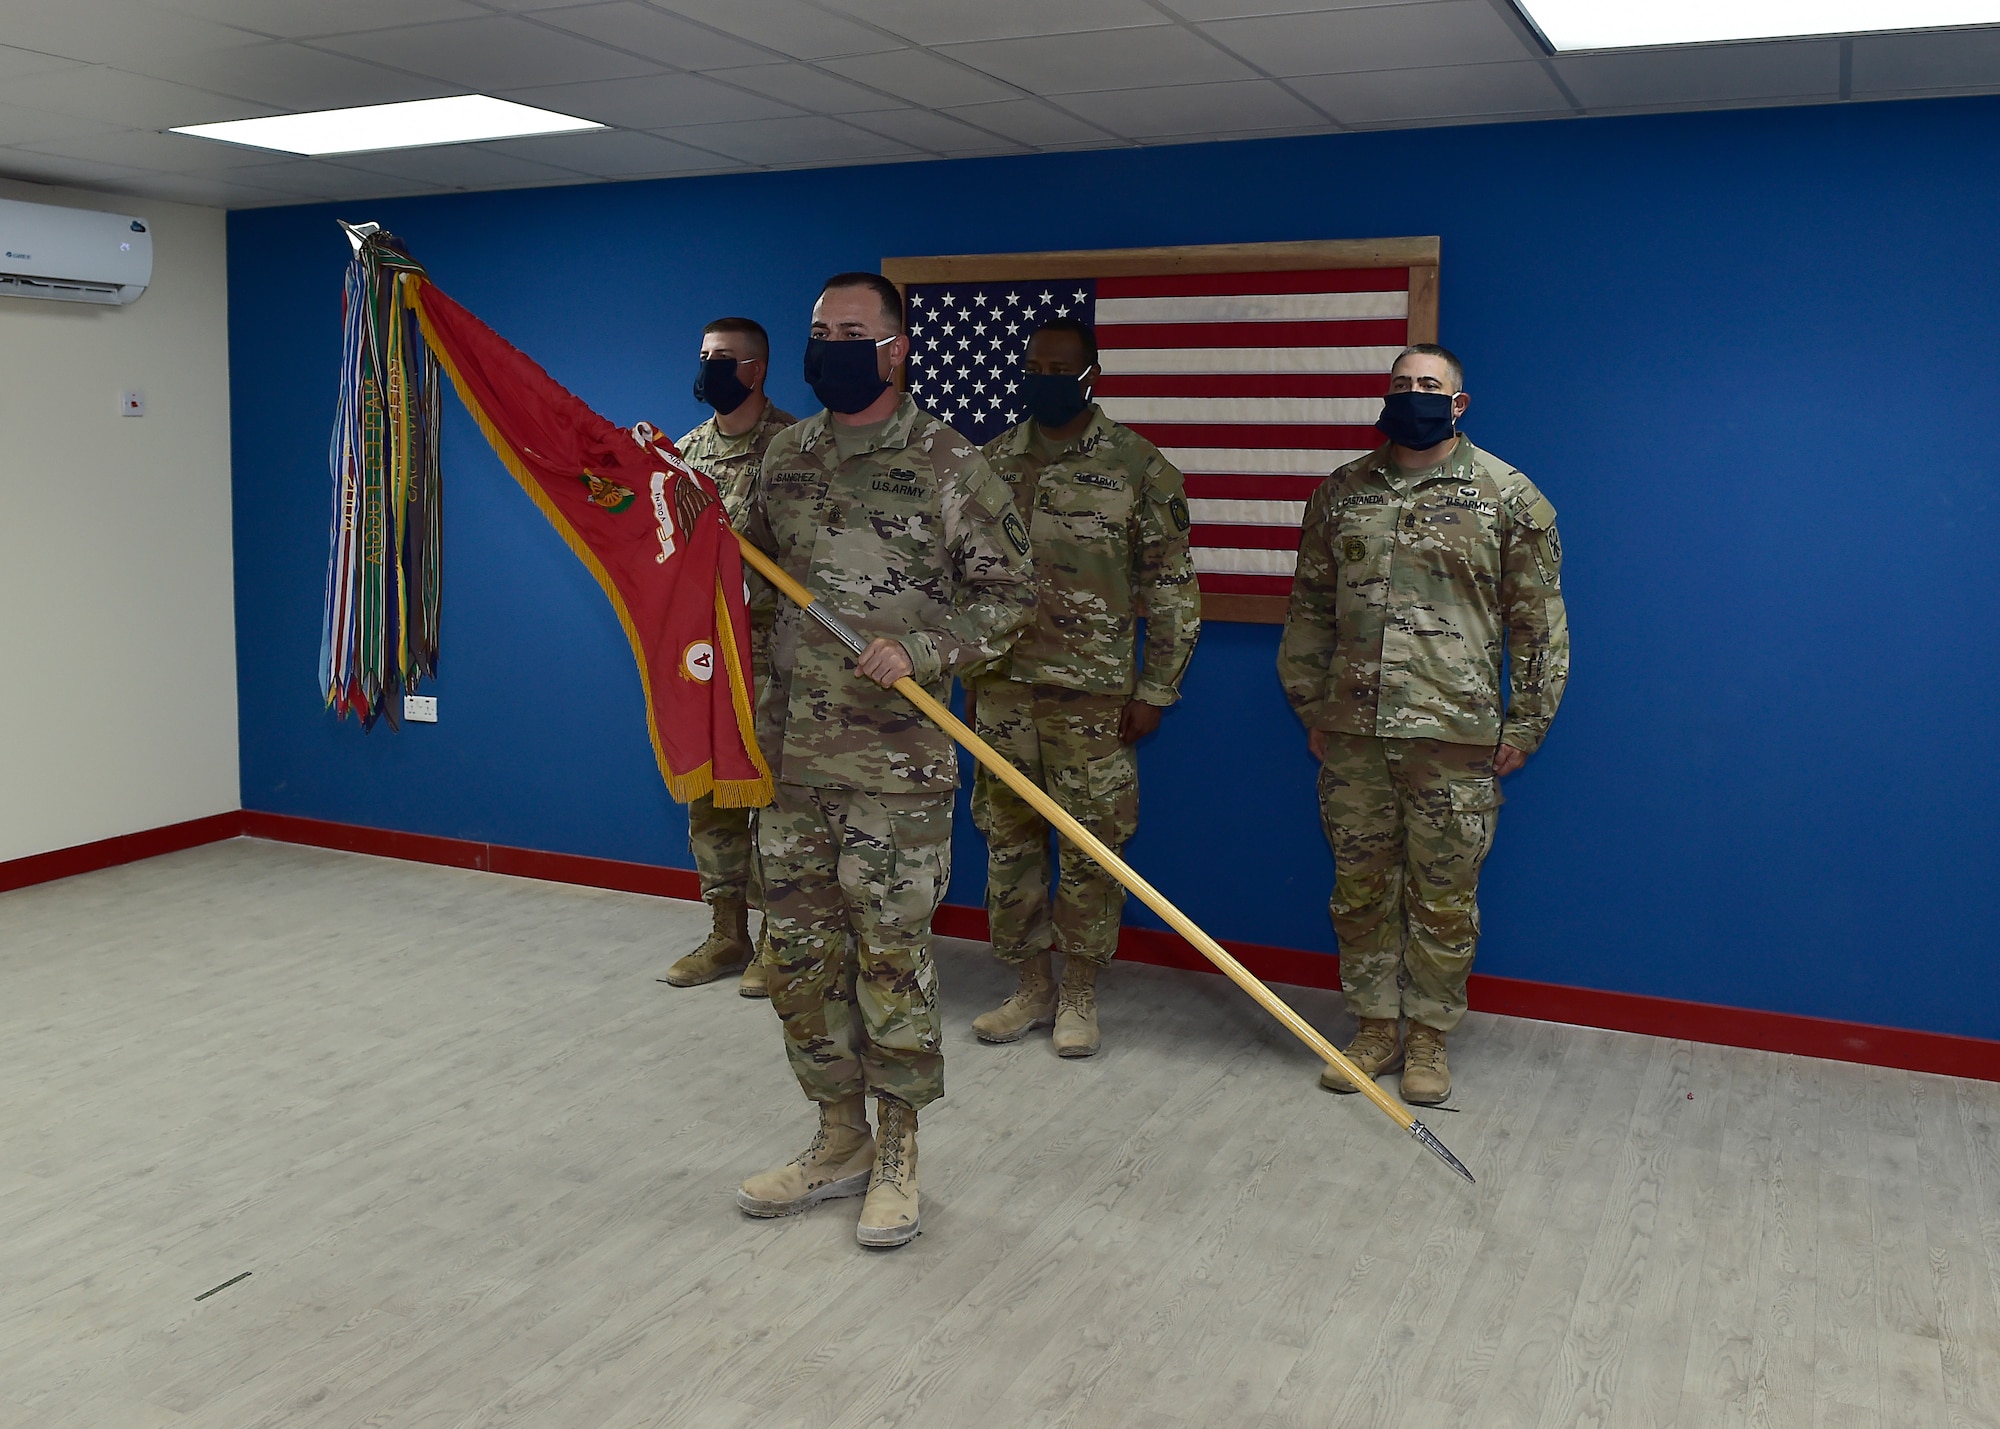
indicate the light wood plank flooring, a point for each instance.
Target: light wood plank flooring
{"x":479,"y":1164}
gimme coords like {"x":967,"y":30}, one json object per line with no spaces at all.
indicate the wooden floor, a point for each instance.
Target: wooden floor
{"x":479,"y":1165}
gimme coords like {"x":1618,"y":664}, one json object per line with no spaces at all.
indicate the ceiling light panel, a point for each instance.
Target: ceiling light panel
{"x":1633,"y":24}
{"x":418,"y":124}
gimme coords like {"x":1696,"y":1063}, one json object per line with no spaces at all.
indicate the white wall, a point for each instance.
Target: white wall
{"x":117,"y":620}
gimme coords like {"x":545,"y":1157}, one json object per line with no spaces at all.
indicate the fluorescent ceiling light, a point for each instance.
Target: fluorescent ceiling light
{"x":1631,"y":24}
{"x":415,"y":125}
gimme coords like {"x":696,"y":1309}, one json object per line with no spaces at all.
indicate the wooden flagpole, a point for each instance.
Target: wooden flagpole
{"x":1077,"y":834}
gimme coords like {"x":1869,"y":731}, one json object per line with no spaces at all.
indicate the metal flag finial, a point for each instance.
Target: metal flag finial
{"x":1439,"y":1149}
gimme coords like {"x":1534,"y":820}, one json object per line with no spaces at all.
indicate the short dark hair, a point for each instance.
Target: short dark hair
{"x":1431,"y":349}
{"x":881,"y":287}
{"x":744,"y":327}
{"x":1085,"y":334}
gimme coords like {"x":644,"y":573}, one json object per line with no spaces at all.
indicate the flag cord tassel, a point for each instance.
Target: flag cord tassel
{"x":1077,"y":834}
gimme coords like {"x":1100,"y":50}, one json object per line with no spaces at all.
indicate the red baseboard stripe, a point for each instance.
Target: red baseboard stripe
{"x":469,"y":853}
{"x":125,"y":848}
{"x":1512,"y":997}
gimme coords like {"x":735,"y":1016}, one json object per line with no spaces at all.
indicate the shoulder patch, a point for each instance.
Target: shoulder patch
{"x":1177,"y":508}
{"x":1017,"y":534}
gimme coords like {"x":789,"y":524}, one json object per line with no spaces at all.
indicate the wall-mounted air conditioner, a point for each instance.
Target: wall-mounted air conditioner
{"x":74,"y":255}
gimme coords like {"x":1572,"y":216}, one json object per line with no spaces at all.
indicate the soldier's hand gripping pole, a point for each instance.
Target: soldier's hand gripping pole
{"x":1077,"y":834}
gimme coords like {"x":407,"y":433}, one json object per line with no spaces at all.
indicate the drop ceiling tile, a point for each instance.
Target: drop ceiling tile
{"x":309,"y":179}
{"x":785,"y":26}
{"x":1383,"y":37}
{"x":669,"y":39}
{"x":19,"y":125}
{"x":1912,"y":64}
{"x":15,"y":62}
{"x":1199,"y":10}
{"x":920,"y":77}
{"x":214,"y":191}
{"x":806,"y":88}
{"x":112,"y":31}
{"x":49,"y":169}
{"x":151,"y":150}
{"x":1709,"y":75}
{"x":1131,"y":59}
{"x":1451,"y":92}
{"x":808,"y":139}
{"x":943,"y":22}
{"x":935,"y":133}
{"x":613,"y":154}
{"x":1032,"y":122}
{"x":295,"y":77}
{"x":131,"y":101}
{"x":659,"y":101}
{"x":1196,"y":109}
{"x":499,"y":52}
{"x":461,"y":166}
{"x":296,"y":19}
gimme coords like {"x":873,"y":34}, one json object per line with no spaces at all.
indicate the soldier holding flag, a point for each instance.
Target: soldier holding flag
{"x":896,"y":522}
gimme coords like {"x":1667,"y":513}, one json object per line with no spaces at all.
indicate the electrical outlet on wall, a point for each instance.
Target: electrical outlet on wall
{"x":420,"y":709}
{"x":132,"y":404}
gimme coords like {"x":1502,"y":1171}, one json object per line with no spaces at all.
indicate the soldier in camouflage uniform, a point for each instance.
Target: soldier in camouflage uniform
{"x":729,"y":446}
{"x":1419,"y":565}
{"x":897,"y":522}
{"x":1108,"y":518}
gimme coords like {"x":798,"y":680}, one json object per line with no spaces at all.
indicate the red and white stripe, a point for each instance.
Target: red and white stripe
{"x":1256,"y":385}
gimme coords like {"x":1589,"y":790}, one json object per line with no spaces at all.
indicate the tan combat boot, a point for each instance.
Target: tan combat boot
{"x":1426,"y":1076}
{"x":727,"y":948}
{"x":757,"y":975}
{"x":836,"y":1164}
{"x":1373,"y":1050}
{"x":889,"y":1215}
{"x":1030,"y":1005}
{"x":1076,"y":1010}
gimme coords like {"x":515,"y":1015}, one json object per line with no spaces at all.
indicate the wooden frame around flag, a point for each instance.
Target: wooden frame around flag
{"x":1417,"y":256}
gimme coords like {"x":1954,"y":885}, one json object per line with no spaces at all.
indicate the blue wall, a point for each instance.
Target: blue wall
{"x":1748,"y":355}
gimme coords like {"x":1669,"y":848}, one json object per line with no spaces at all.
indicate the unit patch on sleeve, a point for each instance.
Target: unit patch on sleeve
{"x":1017,"y":534}
{"x":1178,"y":509}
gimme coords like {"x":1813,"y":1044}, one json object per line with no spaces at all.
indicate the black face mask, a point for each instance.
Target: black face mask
{"x":1054,"y":399}
{"x":841,"y":372}
{"x":1416,"y":420}
{"x":716,"y":384}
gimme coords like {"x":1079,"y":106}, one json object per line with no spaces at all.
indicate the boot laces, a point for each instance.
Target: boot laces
{"x":889,"y":1145}
{"x":1372,"y":1044}
{"x":805,"y":1158}
{"x":1076,"y":996}
{"x":1423,"y":1053}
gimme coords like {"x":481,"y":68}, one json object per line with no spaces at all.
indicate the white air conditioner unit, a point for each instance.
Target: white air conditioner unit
{"x":74,"y":255}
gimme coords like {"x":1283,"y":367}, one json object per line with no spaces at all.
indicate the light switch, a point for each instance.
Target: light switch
{"x":133,"y":404}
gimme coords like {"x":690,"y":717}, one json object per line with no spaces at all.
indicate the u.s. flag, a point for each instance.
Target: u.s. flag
{"x":1254,"y":384}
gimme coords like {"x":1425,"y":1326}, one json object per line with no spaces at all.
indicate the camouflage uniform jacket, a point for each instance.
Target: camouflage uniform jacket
{"x":733,"y":461}
{"x":913,"y":539}
{"x":1406,"y":590}
{"x":1108,"y":518}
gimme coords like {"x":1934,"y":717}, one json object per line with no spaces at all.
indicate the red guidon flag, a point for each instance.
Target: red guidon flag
{"x":650,"y":530}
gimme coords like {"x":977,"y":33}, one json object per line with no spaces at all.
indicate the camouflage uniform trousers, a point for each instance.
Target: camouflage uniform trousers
{"x":1410,"y":822}
{"x":851,"y":880}
{"x":1066,"y":741}
{"x":720,"y":840}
